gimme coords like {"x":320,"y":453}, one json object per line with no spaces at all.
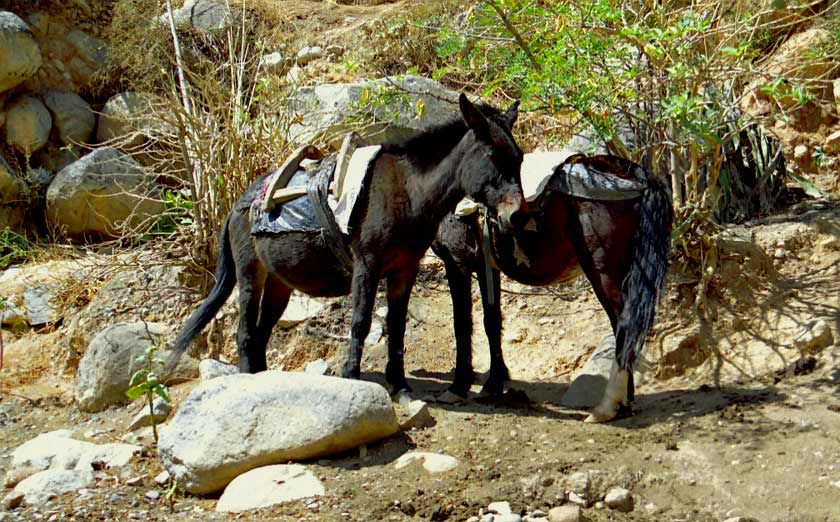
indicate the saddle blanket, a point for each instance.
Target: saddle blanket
{"x":298,"y":215}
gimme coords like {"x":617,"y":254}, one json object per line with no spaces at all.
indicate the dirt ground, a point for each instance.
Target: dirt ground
{"x":719,"y":428}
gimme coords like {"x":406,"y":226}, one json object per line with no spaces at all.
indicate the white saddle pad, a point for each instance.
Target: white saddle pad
{"x":352,"y":187}
{"x":537,"y":169}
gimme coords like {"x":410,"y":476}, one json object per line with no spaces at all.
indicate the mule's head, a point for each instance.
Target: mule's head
{"x":490,"y":168}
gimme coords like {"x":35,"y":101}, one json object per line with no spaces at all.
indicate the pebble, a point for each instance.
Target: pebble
{"x":134,"y":481}
{"x":565,"y":514}
{"x":511,"y":517}
{"x":500,"y":508}
{"x":619,"y":499}
{"x":162,"y":478}
{"x":153,"y":494}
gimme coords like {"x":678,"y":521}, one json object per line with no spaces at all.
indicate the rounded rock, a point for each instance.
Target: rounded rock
{"x":72,"y":116}
{"x":565,"y":514}
{"x":20,"y":55}
{"x":28,"y":124}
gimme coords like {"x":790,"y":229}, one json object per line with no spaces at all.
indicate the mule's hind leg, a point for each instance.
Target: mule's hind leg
{"x":605,"y":265}
{"x":499,"y":374}
{"x":275,"y":297}
{"x":251,"y":280}
{"x":399,"y":292}
{"x":460,"y":289}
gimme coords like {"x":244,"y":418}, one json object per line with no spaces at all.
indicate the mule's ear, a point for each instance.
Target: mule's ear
{"x":512,"y":114}
{"x":473,"y":117}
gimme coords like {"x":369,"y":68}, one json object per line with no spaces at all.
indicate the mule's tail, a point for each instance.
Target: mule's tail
{"x":640,"y":289}
{"x":225,"y":282}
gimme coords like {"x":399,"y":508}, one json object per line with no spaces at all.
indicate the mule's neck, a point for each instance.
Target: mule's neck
{"x":437,"y":191}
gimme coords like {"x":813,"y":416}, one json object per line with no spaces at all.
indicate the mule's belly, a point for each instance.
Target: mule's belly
{"x":304,"y":262}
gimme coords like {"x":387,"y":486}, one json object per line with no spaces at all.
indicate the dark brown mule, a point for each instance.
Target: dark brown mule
{"x":621,"y":245}
{"x":412,"y":187}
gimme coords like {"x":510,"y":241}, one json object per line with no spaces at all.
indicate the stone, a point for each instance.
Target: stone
{"x":433,"y":463}
{"x":309,"y":54}
{"x":500,"y":508}
{"x":565,"y":514}
{"x":104,"y":195}
{"x":211,"y":369}
{"x":317,"y":367}
{"x":279,"y":417}
{"x":41,"y":305}
{"x":48,"y":484}
{"x":800,"y":152}
{"x":415,"y":415}
{"x":112,"y":358}
{"x":619,"y":499}
{"x":58,"y":450}
{"x":28,"y":124}
{"x":20,"y":55}
{"x":269,"y":486}
{"x":510,"y":517}
{"x":815,"y":338}
{"x":300,"y":308}
{"x":412,"y":104}
{"x":162,"y":478}
{"x":580,"y":488}
{"x":832,"y":143}
{"x":125,"y":120}
{"x":295,"y":75}
{"x":589,"y":384}
{"x":152,"y":494}
{"x":72,"y":116}
{"x":91,"y":55}
{"x":12,"y":203}
{"x":272,"y":62}
{"x":160,"y":412}
{"x":835,"y":88}
{"x":206,"y":15}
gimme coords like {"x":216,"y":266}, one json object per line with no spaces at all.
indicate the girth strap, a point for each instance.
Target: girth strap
{"x":318,"y":190}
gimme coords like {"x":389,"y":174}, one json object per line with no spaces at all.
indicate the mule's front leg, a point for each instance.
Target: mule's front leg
{"x":615,"y":396}
{"x":460,"y":289}
{"x":399,"y":292}
{"x":365,"y":280}
{"x":491,"y":302}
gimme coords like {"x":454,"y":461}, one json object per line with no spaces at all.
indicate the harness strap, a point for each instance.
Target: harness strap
{"x":318,"y":190}
{"x":487,"y":258}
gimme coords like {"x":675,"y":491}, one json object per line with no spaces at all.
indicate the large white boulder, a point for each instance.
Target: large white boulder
{"x":28,"y":124}
{"x":72,"y":116}
{"x":20,"y":56}
{"x":230,"y":425}
{"x":103,"y":195}
{"x":403,"y":105}
{"x":112,"y":358}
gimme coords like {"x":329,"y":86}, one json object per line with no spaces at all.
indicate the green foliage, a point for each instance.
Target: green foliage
{"x":14,"y":248}
{"x":178,"y":212}
{"x":145,"y":383}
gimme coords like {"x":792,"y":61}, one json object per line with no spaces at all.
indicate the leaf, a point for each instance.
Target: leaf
{"x":161,"y":391}
{"x":138,"y":377}
{"x":779,"y":4}
{"x":806,"y":185}
{"x":137,"y":391}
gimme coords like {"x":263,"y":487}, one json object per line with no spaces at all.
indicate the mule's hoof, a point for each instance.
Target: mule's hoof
{"x":598,"y":416}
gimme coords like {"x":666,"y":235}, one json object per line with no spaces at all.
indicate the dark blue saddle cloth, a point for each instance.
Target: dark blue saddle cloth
{"x":297,"y":215}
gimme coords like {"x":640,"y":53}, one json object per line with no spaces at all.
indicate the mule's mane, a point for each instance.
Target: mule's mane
{"x":428,"y":148}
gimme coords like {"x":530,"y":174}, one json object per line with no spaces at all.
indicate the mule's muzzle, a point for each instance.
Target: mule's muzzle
{"x":512,"y":214}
